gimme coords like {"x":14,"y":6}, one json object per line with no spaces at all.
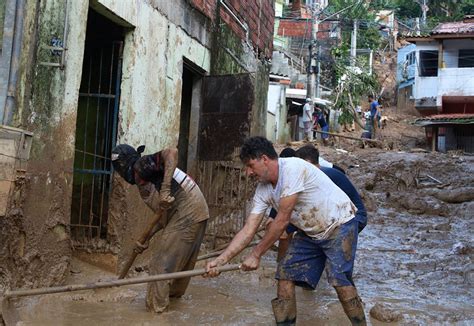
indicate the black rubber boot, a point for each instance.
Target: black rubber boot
{"x":284,"y":311}
{"x":352,"y":304}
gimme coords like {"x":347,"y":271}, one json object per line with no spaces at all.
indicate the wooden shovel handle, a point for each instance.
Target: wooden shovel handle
{"x":142,"y":240}
{"x":113,"y":283}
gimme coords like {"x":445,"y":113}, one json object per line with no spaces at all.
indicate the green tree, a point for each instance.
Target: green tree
{"x":353,"y":83}
{"x":369,"y":35}
{"x":407,"y":9}
{"x":439,"y":10}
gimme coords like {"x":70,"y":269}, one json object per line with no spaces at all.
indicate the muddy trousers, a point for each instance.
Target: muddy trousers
{"x":178,"y":251}
{"x":352,"y":304}
{"x":308,"y":130}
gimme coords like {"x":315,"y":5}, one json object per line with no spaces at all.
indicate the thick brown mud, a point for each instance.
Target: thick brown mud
{"x":414,"y":260}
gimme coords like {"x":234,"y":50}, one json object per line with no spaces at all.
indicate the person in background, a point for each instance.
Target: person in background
{"x":374,"y":115}
{"x":308,"y":110}
{"x":311,"y":154}
{"x":290,"y":152}
{"x":322,"y":123}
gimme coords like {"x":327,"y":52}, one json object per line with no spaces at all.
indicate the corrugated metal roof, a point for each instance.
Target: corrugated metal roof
{"x":454,"y":28}
{"x":439,"y":119}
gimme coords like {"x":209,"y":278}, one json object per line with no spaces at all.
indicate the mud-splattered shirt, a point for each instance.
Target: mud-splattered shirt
{"x":321,"y":205}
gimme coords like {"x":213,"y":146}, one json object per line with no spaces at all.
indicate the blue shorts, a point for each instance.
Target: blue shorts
{"x":362,"y":221}
{"x":326,"y":129}
{"x":306,"y":258}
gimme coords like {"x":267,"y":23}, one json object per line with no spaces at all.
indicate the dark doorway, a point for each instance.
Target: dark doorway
{"x":190,"y":107}
{"x":96,"y":128}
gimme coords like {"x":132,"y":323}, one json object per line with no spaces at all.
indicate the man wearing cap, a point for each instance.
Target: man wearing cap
{"x":163,"y":186}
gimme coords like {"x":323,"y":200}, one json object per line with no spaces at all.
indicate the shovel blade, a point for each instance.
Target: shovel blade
{"x":9,"y":313}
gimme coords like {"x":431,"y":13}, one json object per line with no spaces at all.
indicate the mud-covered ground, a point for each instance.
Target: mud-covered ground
{"x":414,"y":261}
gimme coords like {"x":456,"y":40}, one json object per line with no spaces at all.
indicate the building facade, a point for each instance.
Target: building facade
{"x":443,"y":88}
{"x":79,"y":77}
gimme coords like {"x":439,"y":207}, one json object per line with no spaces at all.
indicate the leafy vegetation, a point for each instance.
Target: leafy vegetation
{"x":354,"y":83}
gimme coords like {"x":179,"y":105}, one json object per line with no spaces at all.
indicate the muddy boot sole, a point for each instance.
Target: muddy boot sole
{"x":284,"y":311}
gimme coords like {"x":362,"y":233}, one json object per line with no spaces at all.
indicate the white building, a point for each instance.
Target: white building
{"x":443,"y":90}
{"x":444,"y":76}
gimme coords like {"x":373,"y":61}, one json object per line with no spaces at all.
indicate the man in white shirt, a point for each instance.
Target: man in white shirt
{"x":308,"y":111}
{"x":324,"y":216}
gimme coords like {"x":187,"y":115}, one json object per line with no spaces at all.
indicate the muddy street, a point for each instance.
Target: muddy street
{"x":138,"y":135}
{"x":414,"y":263}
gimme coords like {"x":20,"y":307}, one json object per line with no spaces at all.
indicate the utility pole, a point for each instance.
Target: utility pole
{"x":354,"y":42}
{"x":312,"y":68}
{"x":318,"y":77}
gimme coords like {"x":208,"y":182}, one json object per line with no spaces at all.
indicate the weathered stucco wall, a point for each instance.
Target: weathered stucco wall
{"x":151,"y":80}
{"x":35,"y":238}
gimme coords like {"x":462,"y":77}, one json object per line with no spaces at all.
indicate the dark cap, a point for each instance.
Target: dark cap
{"x":123,"y":158}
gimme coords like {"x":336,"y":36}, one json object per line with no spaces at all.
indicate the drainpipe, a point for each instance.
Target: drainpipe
{"x":243,"y":25}
{"x":10,"y":105}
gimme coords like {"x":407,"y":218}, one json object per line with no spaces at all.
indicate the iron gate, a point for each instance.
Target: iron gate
{"x":96,"y":133}
{"x":227,"y":190}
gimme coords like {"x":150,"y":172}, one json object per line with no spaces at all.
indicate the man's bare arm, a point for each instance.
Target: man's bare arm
{"x":278,"y":226}
{"x":241,"y":239}
{"x":170,"y":159}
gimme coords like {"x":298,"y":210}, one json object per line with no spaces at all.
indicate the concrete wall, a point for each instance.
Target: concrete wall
{"x":273,"y":111}
{"x":35,"y":239}
{"x":277,"y":127}
{"x":455,"y":82}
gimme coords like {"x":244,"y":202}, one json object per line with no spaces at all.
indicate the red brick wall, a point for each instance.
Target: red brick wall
{"x":259,"y":15}
{"x":293,"y":28}
{"x":302,"y":28}
{"x":207,"y":7}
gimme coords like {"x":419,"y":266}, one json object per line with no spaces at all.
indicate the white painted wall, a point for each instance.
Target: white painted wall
{"x":450,"y":80}
{"x":152,"y":75}
{"x":425,"y":87}
{"x":271,"y":127}
{"x":273,"y":111}
{"x":455,"y":82}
